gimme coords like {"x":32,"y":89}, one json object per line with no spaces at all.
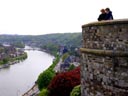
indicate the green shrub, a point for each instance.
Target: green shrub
{"x":5,"y":60}
{"x":44,"y":79}
{"x":71,"y":67}
{"x":65,"y":56}
{"x":76,"y":91}
{"x":44,"y":92}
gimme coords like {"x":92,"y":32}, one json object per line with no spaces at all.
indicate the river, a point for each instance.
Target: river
{"x":18,"y":78}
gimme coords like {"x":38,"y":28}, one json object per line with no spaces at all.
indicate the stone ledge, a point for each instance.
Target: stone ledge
{"x":99,"y":52}
{"x":106,"y":22}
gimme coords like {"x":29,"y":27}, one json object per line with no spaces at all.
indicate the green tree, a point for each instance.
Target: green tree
{"x":65,"y":56}
{"x":71,"y":67}
{"x":18,"y":44}
{"x":43,"y":92}
{"x":5,"y":60}
{"x":76,"y":91}
{"x":44,"y":79}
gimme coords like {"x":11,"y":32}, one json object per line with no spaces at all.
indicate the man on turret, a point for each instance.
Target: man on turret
{"x":109,"y":15}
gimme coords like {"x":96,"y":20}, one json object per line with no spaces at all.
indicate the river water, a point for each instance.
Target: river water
{"x":17,"y":79}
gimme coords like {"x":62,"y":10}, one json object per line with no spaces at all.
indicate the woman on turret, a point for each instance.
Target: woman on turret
{"x":102,"y":16}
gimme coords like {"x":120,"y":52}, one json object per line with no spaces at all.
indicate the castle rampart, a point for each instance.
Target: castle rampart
{"x":104,"y":68}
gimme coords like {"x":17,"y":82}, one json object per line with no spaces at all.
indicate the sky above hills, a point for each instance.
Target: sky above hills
{"x":35,"y":17}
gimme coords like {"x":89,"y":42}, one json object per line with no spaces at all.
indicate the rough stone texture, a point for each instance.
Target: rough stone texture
{"x":105,"y":75}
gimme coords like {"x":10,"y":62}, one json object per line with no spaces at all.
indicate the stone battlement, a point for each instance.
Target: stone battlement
{"x":107,"y":22}
{"x":104,"y":68}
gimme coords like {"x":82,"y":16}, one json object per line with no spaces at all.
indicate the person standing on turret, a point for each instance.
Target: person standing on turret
{"x":109,"y":15}
{"x":102,"y":16}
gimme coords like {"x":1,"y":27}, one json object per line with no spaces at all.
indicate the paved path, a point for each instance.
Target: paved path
{"x":34,"y":91}
{"x":57,"y":67}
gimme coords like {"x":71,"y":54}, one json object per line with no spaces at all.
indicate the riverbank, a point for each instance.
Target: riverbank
{"x":19,"y":78}
{"x":13,"y":61}
{"x":8,"y":64}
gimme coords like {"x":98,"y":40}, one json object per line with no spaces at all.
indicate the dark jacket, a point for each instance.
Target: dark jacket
{"x":109,"y":16}
{"x":102,"y":17}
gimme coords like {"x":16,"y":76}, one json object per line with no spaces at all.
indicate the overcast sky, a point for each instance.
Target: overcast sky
{"x":35,"y":17}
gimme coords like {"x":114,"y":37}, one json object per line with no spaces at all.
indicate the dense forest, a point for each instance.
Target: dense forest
{"x":49,"y":42}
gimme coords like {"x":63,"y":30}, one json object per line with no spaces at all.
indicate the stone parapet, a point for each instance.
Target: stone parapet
{"x":104,"y":69}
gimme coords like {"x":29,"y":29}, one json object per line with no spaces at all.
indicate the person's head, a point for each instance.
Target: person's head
{"x":107,"y":10}
{"x":102,"y":11}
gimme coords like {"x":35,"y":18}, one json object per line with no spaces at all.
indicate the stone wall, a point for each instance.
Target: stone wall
{"x":104,"y":69}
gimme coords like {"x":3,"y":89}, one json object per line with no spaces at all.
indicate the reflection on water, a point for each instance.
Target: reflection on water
{"x":18,"y":78}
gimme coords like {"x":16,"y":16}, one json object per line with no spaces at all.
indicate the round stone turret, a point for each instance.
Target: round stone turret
{"x":104,"y":68}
